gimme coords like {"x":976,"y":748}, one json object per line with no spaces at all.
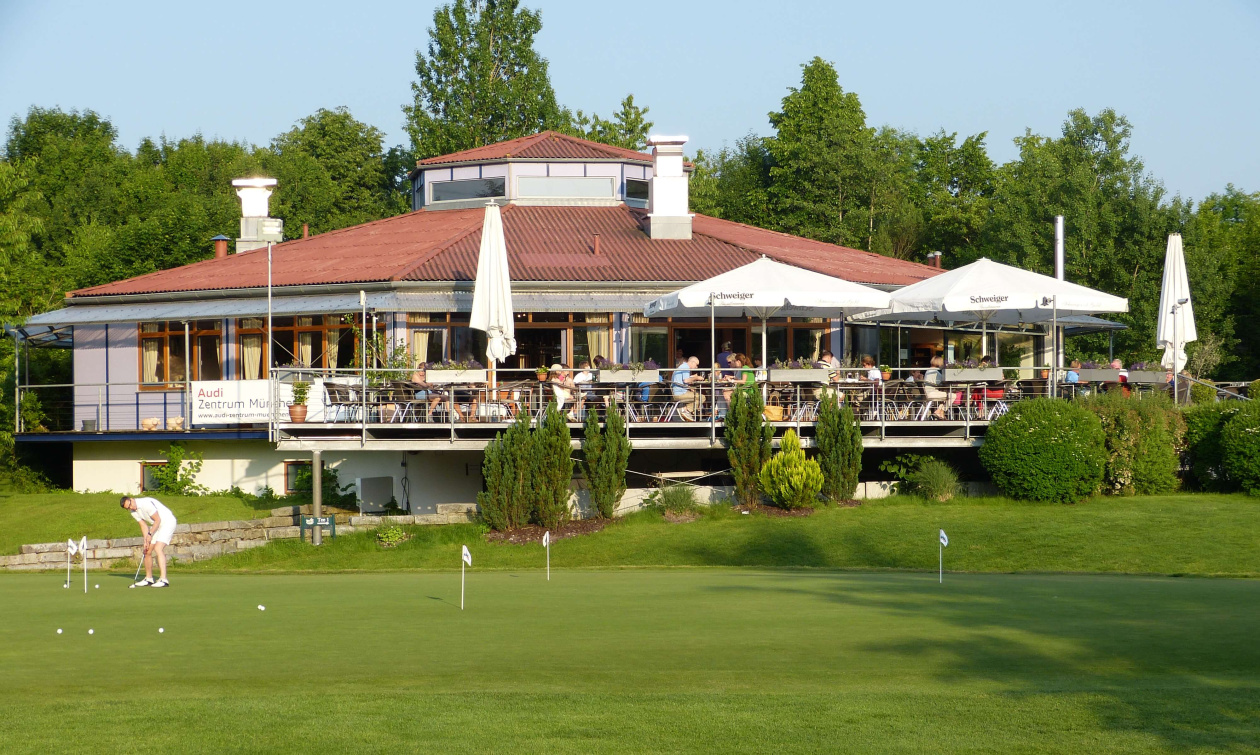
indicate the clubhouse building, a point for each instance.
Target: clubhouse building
{"x":207,"y":354}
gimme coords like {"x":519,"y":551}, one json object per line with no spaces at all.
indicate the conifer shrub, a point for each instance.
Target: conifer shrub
{"x":788,"y":478}
{"x":1240,"y":442}
{"x":748,"y":439}
{"x":508,"y":471}
{"x":838,"y":438}
{"x":1046,"y":449}
{"x":1204,"y":452}
{"x":552,"y":469}
{"x":605,"y":454}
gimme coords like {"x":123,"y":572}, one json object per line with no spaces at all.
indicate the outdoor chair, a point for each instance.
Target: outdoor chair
{"x":341,"y":404}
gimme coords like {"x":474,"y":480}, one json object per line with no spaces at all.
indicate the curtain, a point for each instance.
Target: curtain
{"x":334,"y":348}
{"x":252,"y":323}
{"x":818,"y":336}
{"x":150,"y":348}
{"x":251,"y":356}
{"x":306,"y":348}
{"x":599,"y":342}
{"x":419,"y":346}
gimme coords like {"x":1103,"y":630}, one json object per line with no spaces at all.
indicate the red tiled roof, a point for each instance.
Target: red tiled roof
{"x":548,"y":145}
{"x":544,"y":244}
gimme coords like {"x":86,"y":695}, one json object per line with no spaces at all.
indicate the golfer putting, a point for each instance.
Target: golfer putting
{"x":157,"y":524}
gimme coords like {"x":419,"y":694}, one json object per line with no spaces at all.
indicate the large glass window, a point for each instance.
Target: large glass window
{"x":650,"y":342}
{"x":473,"y":188}
{"x":636,"y":192}
{"x":320,"y":342}
{"x":163,"y":363}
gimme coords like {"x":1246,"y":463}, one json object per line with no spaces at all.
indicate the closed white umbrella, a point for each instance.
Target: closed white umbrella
{"x":492,"y":291}
{"x":1174,"y":331}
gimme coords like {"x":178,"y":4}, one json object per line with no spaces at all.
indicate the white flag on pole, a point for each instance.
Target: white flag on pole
{"x":467,"y":556}
{"x":72,"y":547}
{"x":944,"y":538}
{"x":83,"y":543}
{"x":547,"y":538}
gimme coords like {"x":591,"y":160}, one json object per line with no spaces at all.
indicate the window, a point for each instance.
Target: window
{"x":428,"y":343}
{"x":321,"y":342}
{"x":636,"y":192}
{"x":148,"y":482}
{"x":163,"y":363}
{"x":475,"y":188}
{"x":564,"y":186}
{"x":297,"y":477}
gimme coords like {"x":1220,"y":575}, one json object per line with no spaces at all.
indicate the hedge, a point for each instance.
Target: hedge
{"x":1204,"y":424}
{"x":1046,"y":449}
{"x":1240,"y":442}
{"x":1143,"y":437}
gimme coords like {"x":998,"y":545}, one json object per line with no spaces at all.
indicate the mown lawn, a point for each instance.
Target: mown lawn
{"x":1173,"y":535}
{"x":52,"y":517}
{"x":648,"y":660}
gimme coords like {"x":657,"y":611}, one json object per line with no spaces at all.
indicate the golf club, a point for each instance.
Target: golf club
{"x":140,"y":563}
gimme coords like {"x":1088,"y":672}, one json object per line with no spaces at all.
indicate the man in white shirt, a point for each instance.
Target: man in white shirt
{"x":157,"y":524}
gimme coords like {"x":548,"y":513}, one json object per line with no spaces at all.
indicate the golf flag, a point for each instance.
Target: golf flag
{"x":72,"y":547}
{"x":83,"y":550}
{"x":944,"y":538}
{"x":547,"y":538}
{"x":83,"y":543}
{"x":467,"y":556}
{"x":547,"y":545}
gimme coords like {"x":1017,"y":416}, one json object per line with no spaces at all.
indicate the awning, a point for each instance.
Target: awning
{"x":380,"y":301}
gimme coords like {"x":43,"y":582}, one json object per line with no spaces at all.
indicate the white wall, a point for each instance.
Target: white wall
{"x":432,"y":477}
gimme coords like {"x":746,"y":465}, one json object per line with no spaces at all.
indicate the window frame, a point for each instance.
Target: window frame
{"x":168,"y":329}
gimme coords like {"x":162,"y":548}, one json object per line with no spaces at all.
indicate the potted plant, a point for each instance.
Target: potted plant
{"x":797,"y":371}
{"x":541,"y":372}
{"x":297,"y":409}
{"x":885,"y":372}
{"x":1090,"y":372}
{"x":1147,"y":374}
{"x":633,"y":372}
{"x":1045,"y":374}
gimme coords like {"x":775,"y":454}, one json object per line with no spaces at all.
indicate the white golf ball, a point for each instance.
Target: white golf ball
{"x":161,"y":630}
{"x":58,"y":631}
{"x":262,"y":608}
{"x":98,"y":587}
{"x":91,"y":631}
{"x":66,"y":586}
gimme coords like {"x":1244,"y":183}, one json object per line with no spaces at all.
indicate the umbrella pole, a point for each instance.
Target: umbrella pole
{"x":1054,"y":338}
{"x":712,"y":374}
{"x":765,"y":362}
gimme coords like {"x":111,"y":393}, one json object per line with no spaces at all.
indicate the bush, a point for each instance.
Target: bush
{"x":605,"y":454}
{"x":391,"y":536}
{"x":552,"y":470}
{"x":1045,"y":450}
{"x":1240,"y":442}
{"x":1203,"y":444}
{"x":508,"y":471}
{"x":748,"y":439}
{"x":676,"y":498}
{"x":935,"y":480}
{"x":839,"y":440}
{"x":791,"y":480}
{"x":334,"y":493}
{"x":1142,"y":437}
{"x":178,"y":475}
{"x":1253,"y":390}
{"x":1201,"y":394}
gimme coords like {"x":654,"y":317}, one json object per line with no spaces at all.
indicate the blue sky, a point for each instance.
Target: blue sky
{"x":1186,"y":74}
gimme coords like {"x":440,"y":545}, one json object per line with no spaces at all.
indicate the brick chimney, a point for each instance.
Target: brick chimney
{"x":668,"y":215}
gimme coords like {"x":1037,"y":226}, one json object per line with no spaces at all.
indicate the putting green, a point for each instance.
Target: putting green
{"x":635,"y":660}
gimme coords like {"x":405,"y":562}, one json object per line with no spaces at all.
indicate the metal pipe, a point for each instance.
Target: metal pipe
{"x":268,"y":360}
{"x":712,"y":369}
{"x":187,"y":379}
{"x":1058,"y":247}
{"x":17,"y":387}
{"x":363,"y":366}
{"x":317,"y":495}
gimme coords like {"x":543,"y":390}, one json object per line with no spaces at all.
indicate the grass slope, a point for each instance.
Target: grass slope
{"x":643,"y":660}
{"x":53,"y":517}
{"x":1173,"y":535}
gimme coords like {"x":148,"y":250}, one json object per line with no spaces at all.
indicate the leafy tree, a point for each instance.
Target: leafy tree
{"x":838,"y":438}
{"x":748,"y":438}
{"x":178,"y":475}
{"x":628,"y":128}
{"x":605,"y":454}
{"x":954,"y":183}
{"x":480,"y":81}
{"x":819,"y":187}
{"x":734,"y":183}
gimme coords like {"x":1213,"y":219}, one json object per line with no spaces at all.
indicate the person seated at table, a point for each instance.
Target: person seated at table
{"x":562,"y":388}
{"x":829,"y":360}
{"x":873,"y":374}
{"x":1116,"y":364}
{"x":691,"y":399}
{"x":933,"y":378}
{"x":1073,"y":375}
{"x":723,"y":359}
{"x":744,"y":378}
{"x":425,"y":390}
{"x":584,"y":381}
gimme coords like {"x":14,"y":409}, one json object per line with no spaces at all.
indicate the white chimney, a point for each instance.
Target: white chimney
{"x":256,"y":227}
{"x":668,"y":217}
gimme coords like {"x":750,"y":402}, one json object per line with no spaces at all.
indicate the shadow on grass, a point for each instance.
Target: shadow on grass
{"x":1170,"y":659}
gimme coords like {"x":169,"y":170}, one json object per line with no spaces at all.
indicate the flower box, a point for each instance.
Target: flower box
{"x":806,"y":375}
{"x":438,"y":375}
{"x":1098,"y":376}
{"x":1148,"y":377}
{"x":629,"y":376}
{"x":972,"y":374}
